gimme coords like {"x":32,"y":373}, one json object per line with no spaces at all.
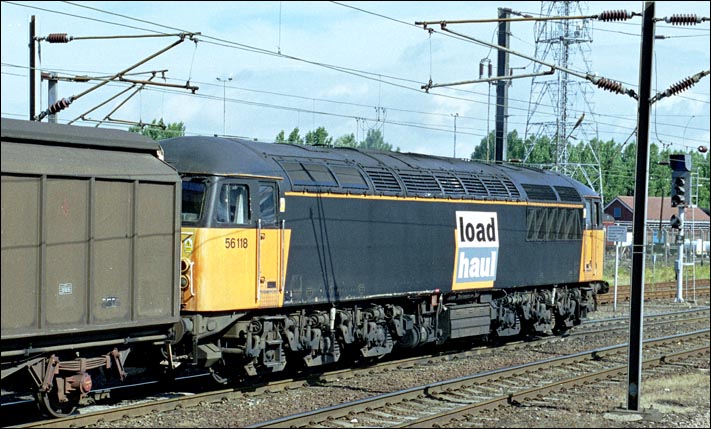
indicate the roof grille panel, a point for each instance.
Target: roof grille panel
{"x":474,"y":186}
{"x":495,"y":187}
{"x":420,"y":183}
{"x":450,"y":184}
{"x":383,"y":180}
{"x":540,"y":192}
{"x":568,"y":193}
{"x":513,"y":190}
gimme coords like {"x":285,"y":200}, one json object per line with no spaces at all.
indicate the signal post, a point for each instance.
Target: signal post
{"x":681,"y":175}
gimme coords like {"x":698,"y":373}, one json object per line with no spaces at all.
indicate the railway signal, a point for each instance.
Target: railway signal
{"x":681,"y":177}
{"x":678,"y":190}
{"x":681,"y":174}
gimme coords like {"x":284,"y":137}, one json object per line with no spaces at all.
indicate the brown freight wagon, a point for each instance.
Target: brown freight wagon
{"x":90,"y":263}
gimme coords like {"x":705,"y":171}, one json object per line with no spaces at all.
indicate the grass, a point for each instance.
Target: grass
{"x":655,"y":271}
{"x":680,"y":395}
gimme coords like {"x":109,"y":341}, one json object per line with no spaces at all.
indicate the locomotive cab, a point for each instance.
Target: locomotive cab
{"x":231,"y":225}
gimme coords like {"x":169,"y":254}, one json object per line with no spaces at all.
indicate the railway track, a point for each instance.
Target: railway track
{"x":663,"y":290}
{"x":440,"y":403}
{"x":164,"y":403}
{"x":620,"y":323}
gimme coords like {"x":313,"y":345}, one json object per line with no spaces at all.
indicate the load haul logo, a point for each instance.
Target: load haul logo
{"x":477,"y":250}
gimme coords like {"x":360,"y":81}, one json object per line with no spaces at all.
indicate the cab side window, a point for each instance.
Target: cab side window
{"x":267,"y":203}
{"x":232,"y":204}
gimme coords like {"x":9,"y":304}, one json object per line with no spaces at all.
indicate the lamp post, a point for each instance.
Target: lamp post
{"x":224,"y":102}
{"x":683,"y":137}
{"x":455,"y":134}
{"x":486,"y":63}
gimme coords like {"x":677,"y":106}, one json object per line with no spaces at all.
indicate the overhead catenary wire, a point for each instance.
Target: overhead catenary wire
{"x":65,"y":102}
{"x":393,"y":109}
{"x":338,"y":68}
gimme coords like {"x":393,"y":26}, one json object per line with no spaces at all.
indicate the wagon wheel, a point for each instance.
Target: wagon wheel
{"x":220,"y":373}
{"x":49,"y":403}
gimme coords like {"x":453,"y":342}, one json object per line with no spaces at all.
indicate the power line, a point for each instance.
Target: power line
{"x":356,"y":72}
{"x":236,"y":45}
{"x":444,"y":128}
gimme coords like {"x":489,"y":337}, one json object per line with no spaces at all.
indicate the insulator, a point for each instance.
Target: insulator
{"x":59,"y":38}
{"x":683,"y":20}
{"x":59,"y":105}
{"x":680,"y":86}
{"x":610,"y":85}
{"x":615,"y":15}
{"x":481,"y":70}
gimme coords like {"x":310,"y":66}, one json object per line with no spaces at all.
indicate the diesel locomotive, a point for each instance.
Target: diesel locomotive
{"x":299,"y":255}
{"x":246,"y":258}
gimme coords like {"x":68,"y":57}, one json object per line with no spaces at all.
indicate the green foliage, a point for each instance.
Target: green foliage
{"x":158,"y":130}
{"x":660,"y":269}
{"x":617,"y":164}
{"x":294,"y":137}
{"x":700,"y":175}
{"x":616,"y":160}
{"x":373,"y":140}
{"x":480,"y":152}
{"x":318,"y":138}
{"x":346,"y":140}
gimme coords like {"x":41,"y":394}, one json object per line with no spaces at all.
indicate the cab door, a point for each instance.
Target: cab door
{"x":272,"y":247}
{"x":593,"y":242}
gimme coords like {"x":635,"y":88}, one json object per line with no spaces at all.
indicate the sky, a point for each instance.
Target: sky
{"x":351,"y":67}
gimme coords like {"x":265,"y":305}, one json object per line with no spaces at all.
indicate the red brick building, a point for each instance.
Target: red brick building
{"x":659,"y":211}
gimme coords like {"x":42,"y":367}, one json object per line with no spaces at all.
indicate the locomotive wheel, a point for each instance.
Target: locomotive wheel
{"x":49,"y":403}
{"x":559,"y":326}
{"x":560,"y":329}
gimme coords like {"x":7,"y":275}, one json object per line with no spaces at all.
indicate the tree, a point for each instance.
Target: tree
{"x":543,"y":151}
{"x":700,"y":170}
{"x":158,"y":130}
{"x":480,"y":154}
{"x":515,"y":148}
{"x":280,"y":137}
{"x":318,"y":138}
{"x":294,"y":137}
{"x":374,"y":140}
{"x":346,"y":140}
